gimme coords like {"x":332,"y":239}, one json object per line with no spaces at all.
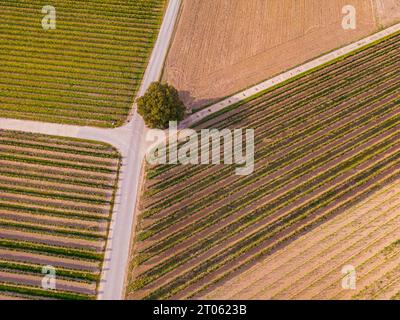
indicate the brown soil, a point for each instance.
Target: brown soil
{"x":59,"y":171}
{"x":221,"y":47}
{"x":43,"y":259}
{"x":269,"y":178}
{"x":60,"y":203}
{"x":36,"y":280}
{"x":69,"y":242}
{"x":387,"y":11}
{"x":56,"y":186}
{"x":290,"y":115}
{"x":58,"y":155}
{"x":254,"y":227}
{"x":328,"y":246}
{"x":60,"y":193}
{"x":42,"y":220}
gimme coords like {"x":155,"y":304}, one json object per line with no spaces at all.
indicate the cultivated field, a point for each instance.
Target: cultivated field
{"x":85,"y":72}
{"x":367,"y":236}
{"x":323,"y":141}
{"x":222,"y":47}
{"x":387,"y":11}
{"x":56,"y":199}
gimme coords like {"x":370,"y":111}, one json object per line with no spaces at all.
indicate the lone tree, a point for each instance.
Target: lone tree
{"x":159,"y":105}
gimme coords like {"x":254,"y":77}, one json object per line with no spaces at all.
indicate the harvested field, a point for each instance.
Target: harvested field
{"x":56,"y":200}
{"x":323,"y":142}
{"x":222,"y":47}
{"x":365,"y":236}
{"x":84,"y":72}
{"x":387,"y":11}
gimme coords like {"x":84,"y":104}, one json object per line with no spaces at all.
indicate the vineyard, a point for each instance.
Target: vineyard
{"x":323,"y":141}
{"x":365,"y":236}
{"x":84,"y":72}
{"x":56,"y":204}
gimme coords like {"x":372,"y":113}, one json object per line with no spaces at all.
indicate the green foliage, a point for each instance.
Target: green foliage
{"x":159,"y":105}
{"x":33,"y":291}
{"x":82,"y":211}
{"x":87,"y":71}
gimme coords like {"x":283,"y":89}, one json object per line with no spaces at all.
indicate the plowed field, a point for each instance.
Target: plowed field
{"x":222,"y":47}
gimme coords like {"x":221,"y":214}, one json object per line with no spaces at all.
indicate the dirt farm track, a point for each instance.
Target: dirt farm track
{"x":221,"y":47}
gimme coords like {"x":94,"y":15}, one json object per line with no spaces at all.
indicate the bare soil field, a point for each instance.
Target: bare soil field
{"x":365,"y":236}
{"x":222,"y":47}
{"x":387,"y":11}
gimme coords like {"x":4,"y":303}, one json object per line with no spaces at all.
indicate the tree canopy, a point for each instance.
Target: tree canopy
{"x":159,"y":105}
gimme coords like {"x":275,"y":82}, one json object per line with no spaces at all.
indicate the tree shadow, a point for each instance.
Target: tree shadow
{"x":192,"y":104}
